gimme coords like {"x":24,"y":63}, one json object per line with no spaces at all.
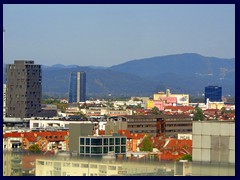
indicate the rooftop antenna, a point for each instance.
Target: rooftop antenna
{"x":3,"y":44}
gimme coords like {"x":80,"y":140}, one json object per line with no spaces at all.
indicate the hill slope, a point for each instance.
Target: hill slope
{"x":183,"y":73}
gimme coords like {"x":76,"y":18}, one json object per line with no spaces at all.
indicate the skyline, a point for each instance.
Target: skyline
{"x":106,"y":35}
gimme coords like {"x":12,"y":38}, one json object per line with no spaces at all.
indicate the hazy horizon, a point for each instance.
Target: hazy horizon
{"x":111,"y":34}
{"x":116,"y":64}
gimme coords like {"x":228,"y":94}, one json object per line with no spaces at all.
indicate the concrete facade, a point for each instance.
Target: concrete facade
{"x":24,"y":89}
{"x":214,"y":141}
{"x":76,"y":130}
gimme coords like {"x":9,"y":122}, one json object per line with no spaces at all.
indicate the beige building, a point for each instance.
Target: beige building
{"x":215,"y":105}
{"x":84,"y":167}
{"x":182,"y":99}
{"x":68,"y":166}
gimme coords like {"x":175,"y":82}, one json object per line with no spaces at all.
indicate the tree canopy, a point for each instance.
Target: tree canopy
{"x":198,"y":114}
{"x":186,"y":157}
{"x":34,"y":148}
{"x":147,"y":145}
{"x":156,"y":111}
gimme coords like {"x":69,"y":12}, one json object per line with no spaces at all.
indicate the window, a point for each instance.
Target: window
{"x":87,"y":149}
{"x":41,"y":162}
{"x":93,"y":166}
{"x":117,"y":141}
{"x":35,"y":124}
{"x":117,"y":149}
{"x":112,"y":167}
{"x":87,"y":141}
{"x":66,"y":164}
{"x":48,"y":163}
{"x":105,"y":141}
{"x":123,"y":149}
{"x":84,"y":165}
{"x":96,"y":141}
{"x":111,"y":141}
{"x":96,"y":150}
{"x":75,"y":165}
{"x":123,"y":140}
{"x":81,"y":141}
{"x":105,"y":150}
{"x":81,"y":149}
{"x":111,"y":148}
{"x":57,"y":168}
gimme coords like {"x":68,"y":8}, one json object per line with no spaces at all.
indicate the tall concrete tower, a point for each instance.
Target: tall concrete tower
{"x":24,"y":89}
{"x":77,"y":87}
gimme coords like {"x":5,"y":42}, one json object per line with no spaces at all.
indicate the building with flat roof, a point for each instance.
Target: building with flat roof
{"x":213,"y":93}
{"x":77,"y":87}
{"x":102,"y":145}
{"x":83,"y":142}
{"x":181,"y":99}
{"x":154,"y":125}
{"x":24,"y":89}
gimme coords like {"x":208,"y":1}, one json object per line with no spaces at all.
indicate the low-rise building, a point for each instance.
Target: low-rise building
{"x":102,"y":145}
{"x":182,"y":99}
{"x":83,"y":142}
{"x":54,"y":123}
{"x":53,"y":167}
{"x":54,"y":140}
{"x":154,"y":125}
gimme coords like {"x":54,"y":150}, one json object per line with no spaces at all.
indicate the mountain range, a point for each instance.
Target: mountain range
{"x":182,"y":73}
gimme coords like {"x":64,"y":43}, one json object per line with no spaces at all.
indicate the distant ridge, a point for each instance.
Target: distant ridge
{"x":182,"y":73}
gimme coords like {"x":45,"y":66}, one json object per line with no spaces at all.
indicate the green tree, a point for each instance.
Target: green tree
{"x":223,"y":110}
{"x":156,"y":111}
{"x":34,"y":148}
{"x":146,"y":145}
{"x":186,"y":157}
{"x":198,"y":114}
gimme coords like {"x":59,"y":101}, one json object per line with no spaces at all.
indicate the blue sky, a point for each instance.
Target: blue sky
{"x":106,"y":35}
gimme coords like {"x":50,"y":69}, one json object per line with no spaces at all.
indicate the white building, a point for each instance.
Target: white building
{"x":185,"y":136}
{"x":53,"y":123}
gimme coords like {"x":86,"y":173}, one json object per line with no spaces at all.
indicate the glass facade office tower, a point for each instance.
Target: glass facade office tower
{"x":77,"y":87}
{"x":24,"y":89}
{"x":213,"y":93}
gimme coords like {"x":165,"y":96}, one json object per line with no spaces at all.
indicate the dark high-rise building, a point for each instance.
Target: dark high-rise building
{"x":77,"y":87}
{"x":24,"y":89}
{"x":213,"y":93}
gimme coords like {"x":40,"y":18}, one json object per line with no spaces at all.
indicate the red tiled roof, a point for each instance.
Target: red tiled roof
{"x":131,"y":135}
{"x":211,"y":110}
{"x":179,"y":108}
{"x":182,"y":146}
{"x":169,"y":156}
{"x":32,"y":136}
